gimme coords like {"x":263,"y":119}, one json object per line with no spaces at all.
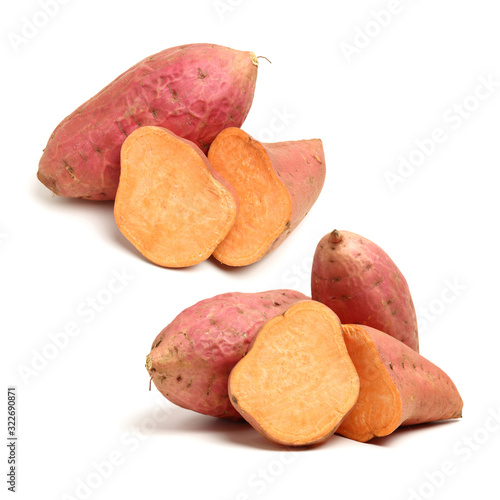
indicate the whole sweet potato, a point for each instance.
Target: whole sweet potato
{"x":398,"y":386}
{"x":276,"y":183}
{"x":193,"y":90}
{"x":359,"y":281}
{"x":191,"y":359}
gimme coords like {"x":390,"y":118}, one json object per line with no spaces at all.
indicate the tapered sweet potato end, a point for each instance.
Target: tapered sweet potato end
{"x":170,"y":204}
{"x":174,"y":374}
{"x":64,"y":180}
{"x":428,"y":394}
{"x":297,"y":381}
{"x":378,"y":410}
{"x":398,"y":386}
{"x":48,"y":181}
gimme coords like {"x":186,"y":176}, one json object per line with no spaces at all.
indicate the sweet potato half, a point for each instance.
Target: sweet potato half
{"x":398,"y":386}
{"x":170,"y":204}
{"x":359,"y":281}
{"x":190,"y":360}
{"x":297,"y":381}
{"x":276,"y":183}
{"x":193,"y":90}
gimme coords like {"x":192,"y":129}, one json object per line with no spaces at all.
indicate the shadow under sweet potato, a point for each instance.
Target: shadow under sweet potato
{"x":403,"y":432}
{"x":239,"y":432}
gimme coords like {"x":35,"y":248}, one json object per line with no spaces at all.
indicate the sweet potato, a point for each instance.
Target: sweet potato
{"x":398,"y":386}
{"x":297,"y":381}
{"x":193,"y":90}
{"x":277,"y":184}
{"x":192,"y":357}
{"x":171,"y":204}
{"x":359,"y":281}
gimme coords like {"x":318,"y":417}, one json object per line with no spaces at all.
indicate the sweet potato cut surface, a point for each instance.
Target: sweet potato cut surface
{"x":170,"y":204}
{"x":359,"y":281}
{"x":277,"y":184}
{"x":297,"y":381}
{"x":193,"y":90}
{"x":398,"y":386}
{"x":190,"y":360}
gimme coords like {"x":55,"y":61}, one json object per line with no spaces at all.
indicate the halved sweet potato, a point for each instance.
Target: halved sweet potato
{"x":398,"y":386}
{"x":170,"y":204}
{"x":277,"y":184}
{"x":297,"y":381}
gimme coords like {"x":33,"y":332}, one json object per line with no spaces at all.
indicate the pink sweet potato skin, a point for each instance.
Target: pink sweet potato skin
{"x":193,"y":90}
{"x":301,"y":167}
{"x":427,"y":392}
{"x":191,"y":359}
{"x":359,"y":281}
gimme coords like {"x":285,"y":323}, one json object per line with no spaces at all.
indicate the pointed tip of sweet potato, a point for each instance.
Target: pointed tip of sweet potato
{"x":398,"y":386}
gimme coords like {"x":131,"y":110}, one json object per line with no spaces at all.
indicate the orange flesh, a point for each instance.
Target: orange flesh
{"x":297,"y":382}
{"x":168,"y":204}
{"x":378,"y":409}
{"x":265,"y":205}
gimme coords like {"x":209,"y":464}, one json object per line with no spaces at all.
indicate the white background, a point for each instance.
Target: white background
{"x":91,"y":403}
